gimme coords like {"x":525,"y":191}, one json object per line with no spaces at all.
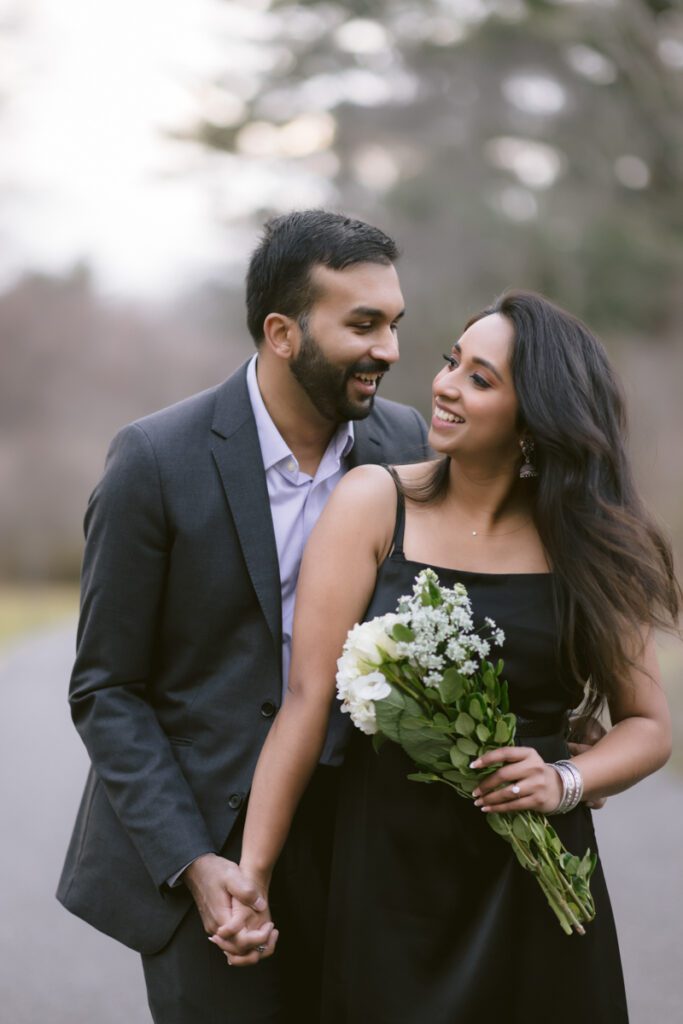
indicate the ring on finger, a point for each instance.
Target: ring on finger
{"x":516,"y":789}
{"x":260,"y":949}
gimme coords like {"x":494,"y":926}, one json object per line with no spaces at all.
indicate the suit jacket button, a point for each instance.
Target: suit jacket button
{"x":268,"y":709}
{"x":235,"y":801}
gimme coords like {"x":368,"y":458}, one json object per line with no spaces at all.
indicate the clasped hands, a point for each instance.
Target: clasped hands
{"x":233,"y":908}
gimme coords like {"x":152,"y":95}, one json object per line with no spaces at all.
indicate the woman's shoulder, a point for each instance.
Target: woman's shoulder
{"x":376,"y":482}
{"x":367,"y":485}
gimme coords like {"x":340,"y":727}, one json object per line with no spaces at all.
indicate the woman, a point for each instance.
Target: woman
{"x":533,"y":508}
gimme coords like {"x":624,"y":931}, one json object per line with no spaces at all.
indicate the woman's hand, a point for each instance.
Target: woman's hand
{"x":249,"y":938}
{"x":523,"y":783}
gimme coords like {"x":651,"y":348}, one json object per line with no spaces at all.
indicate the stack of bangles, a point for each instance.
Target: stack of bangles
{"x":572,"y":786}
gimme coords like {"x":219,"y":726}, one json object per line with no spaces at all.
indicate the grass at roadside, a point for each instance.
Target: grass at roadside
{"x":27,"y":607}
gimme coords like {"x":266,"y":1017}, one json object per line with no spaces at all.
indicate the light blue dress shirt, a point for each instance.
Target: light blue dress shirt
{"x":296,"y":501}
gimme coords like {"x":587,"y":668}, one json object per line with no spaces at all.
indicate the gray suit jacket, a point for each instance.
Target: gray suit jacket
{"x":177,"y":675}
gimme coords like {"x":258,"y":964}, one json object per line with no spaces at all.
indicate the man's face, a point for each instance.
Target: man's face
{"x":348,"y":340}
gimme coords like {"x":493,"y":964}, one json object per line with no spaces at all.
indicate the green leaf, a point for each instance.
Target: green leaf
{"x":504,"y":698}
{"x":477,"y":707}
{"x":452,"y":776}
{"x":467,"y":746}
{"x":422,"y":777}
{"x":421,"y":742}
{"x":452,"y":686}
{"x":389,"y":711}
{"x":464,"y":724}
{"x":483,"y":732}
{"x":499,"y":666}
{"x":499,"y":824}
{"x":441,"y":721}
{"x":468,"y":785}
{"x":431,"y":694}
{"x":378,"y":741}
{"x":458,"y":759}
{"x":511,"y":721}
{"x":402,"y":634}
{"x":502,"y":733}
{"x":520,"y":828}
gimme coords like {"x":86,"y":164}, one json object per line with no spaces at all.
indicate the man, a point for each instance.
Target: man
{"x":194,"y":537}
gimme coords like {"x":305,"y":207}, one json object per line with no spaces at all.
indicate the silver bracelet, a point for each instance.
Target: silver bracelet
{"x":572,"y":786}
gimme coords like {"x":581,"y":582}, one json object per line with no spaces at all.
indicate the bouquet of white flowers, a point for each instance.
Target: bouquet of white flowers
{"x":420,"y":677}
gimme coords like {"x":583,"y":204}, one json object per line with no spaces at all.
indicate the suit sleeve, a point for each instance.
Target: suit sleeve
{"x":424,"y":431}
{"x":124,"y":568}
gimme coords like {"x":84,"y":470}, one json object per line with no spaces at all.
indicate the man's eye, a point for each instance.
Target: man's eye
{"x":451,"y":360}
{"x":363,"y":327}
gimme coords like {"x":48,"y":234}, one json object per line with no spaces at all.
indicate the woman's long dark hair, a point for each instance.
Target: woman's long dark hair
{"x":612,"y":565}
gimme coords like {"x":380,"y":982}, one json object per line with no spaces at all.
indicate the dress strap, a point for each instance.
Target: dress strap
{"x":397,"y":539}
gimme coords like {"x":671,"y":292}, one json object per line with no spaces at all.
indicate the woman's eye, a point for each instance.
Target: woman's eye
{"x":451,"y":360}
{"x":480,"y":381}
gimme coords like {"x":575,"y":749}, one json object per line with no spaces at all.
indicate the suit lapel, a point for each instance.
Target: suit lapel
{"x":237,"y":454}
{"x":366,"y":445}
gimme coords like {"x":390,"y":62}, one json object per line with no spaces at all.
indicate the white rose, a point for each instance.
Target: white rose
{"x":363,"y":716}
{"x":372,"y":636}
{"x":373,"y":686}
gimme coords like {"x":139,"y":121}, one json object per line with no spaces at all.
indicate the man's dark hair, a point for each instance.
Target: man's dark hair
{"x":279,"y":275}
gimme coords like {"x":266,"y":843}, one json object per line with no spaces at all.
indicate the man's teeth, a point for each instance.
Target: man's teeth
{"x":447,"y":417}
{"x":368,"y":378}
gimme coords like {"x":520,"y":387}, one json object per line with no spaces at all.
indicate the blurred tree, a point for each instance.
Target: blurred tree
{"x":506,"y":142}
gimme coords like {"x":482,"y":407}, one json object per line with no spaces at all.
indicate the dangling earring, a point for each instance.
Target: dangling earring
{"x":527,"y":470}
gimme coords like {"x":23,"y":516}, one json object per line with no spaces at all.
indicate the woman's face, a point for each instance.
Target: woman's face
{"x":474,"y":405}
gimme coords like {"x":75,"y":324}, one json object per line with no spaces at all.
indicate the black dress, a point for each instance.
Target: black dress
{"x":432,"y":920}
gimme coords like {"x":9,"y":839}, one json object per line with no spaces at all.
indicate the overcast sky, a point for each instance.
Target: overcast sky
{"x":87,"y":92}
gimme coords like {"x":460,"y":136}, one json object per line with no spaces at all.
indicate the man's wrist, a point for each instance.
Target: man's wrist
{"x":192,"y":874}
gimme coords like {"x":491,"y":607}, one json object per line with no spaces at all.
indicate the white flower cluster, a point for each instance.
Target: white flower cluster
{"x":359,"y":682}
{"x":443,"y":634}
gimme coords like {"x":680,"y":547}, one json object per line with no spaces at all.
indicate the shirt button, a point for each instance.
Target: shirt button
{"x":235,"y":801}
{"x":268,"y":709}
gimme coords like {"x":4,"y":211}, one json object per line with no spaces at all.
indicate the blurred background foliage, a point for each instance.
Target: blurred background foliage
{"x":504,"y":143}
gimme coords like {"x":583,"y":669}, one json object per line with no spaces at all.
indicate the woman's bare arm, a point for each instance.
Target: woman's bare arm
{"x":638,"y":744}
{"x":337,"y":578}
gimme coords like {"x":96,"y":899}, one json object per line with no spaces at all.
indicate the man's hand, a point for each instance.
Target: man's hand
{"x":226,"y":899}
{"x":584,"y":733}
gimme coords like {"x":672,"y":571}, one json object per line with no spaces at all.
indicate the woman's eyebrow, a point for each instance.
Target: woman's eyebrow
{"x":480,"y":361}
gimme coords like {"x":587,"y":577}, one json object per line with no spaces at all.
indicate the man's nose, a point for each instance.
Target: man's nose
{"x":386,"y":347}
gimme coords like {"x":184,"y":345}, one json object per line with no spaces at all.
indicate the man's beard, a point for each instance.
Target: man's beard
{"x":327,"y":385}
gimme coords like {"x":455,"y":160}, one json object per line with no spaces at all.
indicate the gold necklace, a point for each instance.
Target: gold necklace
{"x":475,"y":533}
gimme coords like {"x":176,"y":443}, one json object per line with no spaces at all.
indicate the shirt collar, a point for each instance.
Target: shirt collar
{"x":274,"y":448}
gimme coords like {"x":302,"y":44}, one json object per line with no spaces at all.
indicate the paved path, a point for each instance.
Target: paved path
{"x":56,"y":970}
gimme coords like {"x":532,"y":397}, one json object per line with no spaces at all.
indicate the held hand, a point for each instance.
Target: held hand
{"x":224,"y":895}
{"x":245,"y":946}
{"x":523,"y":783}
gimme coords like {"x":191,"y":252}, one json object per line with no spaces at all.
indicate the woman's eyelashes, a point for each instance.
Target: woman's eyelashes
{"x":476,"y":378}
